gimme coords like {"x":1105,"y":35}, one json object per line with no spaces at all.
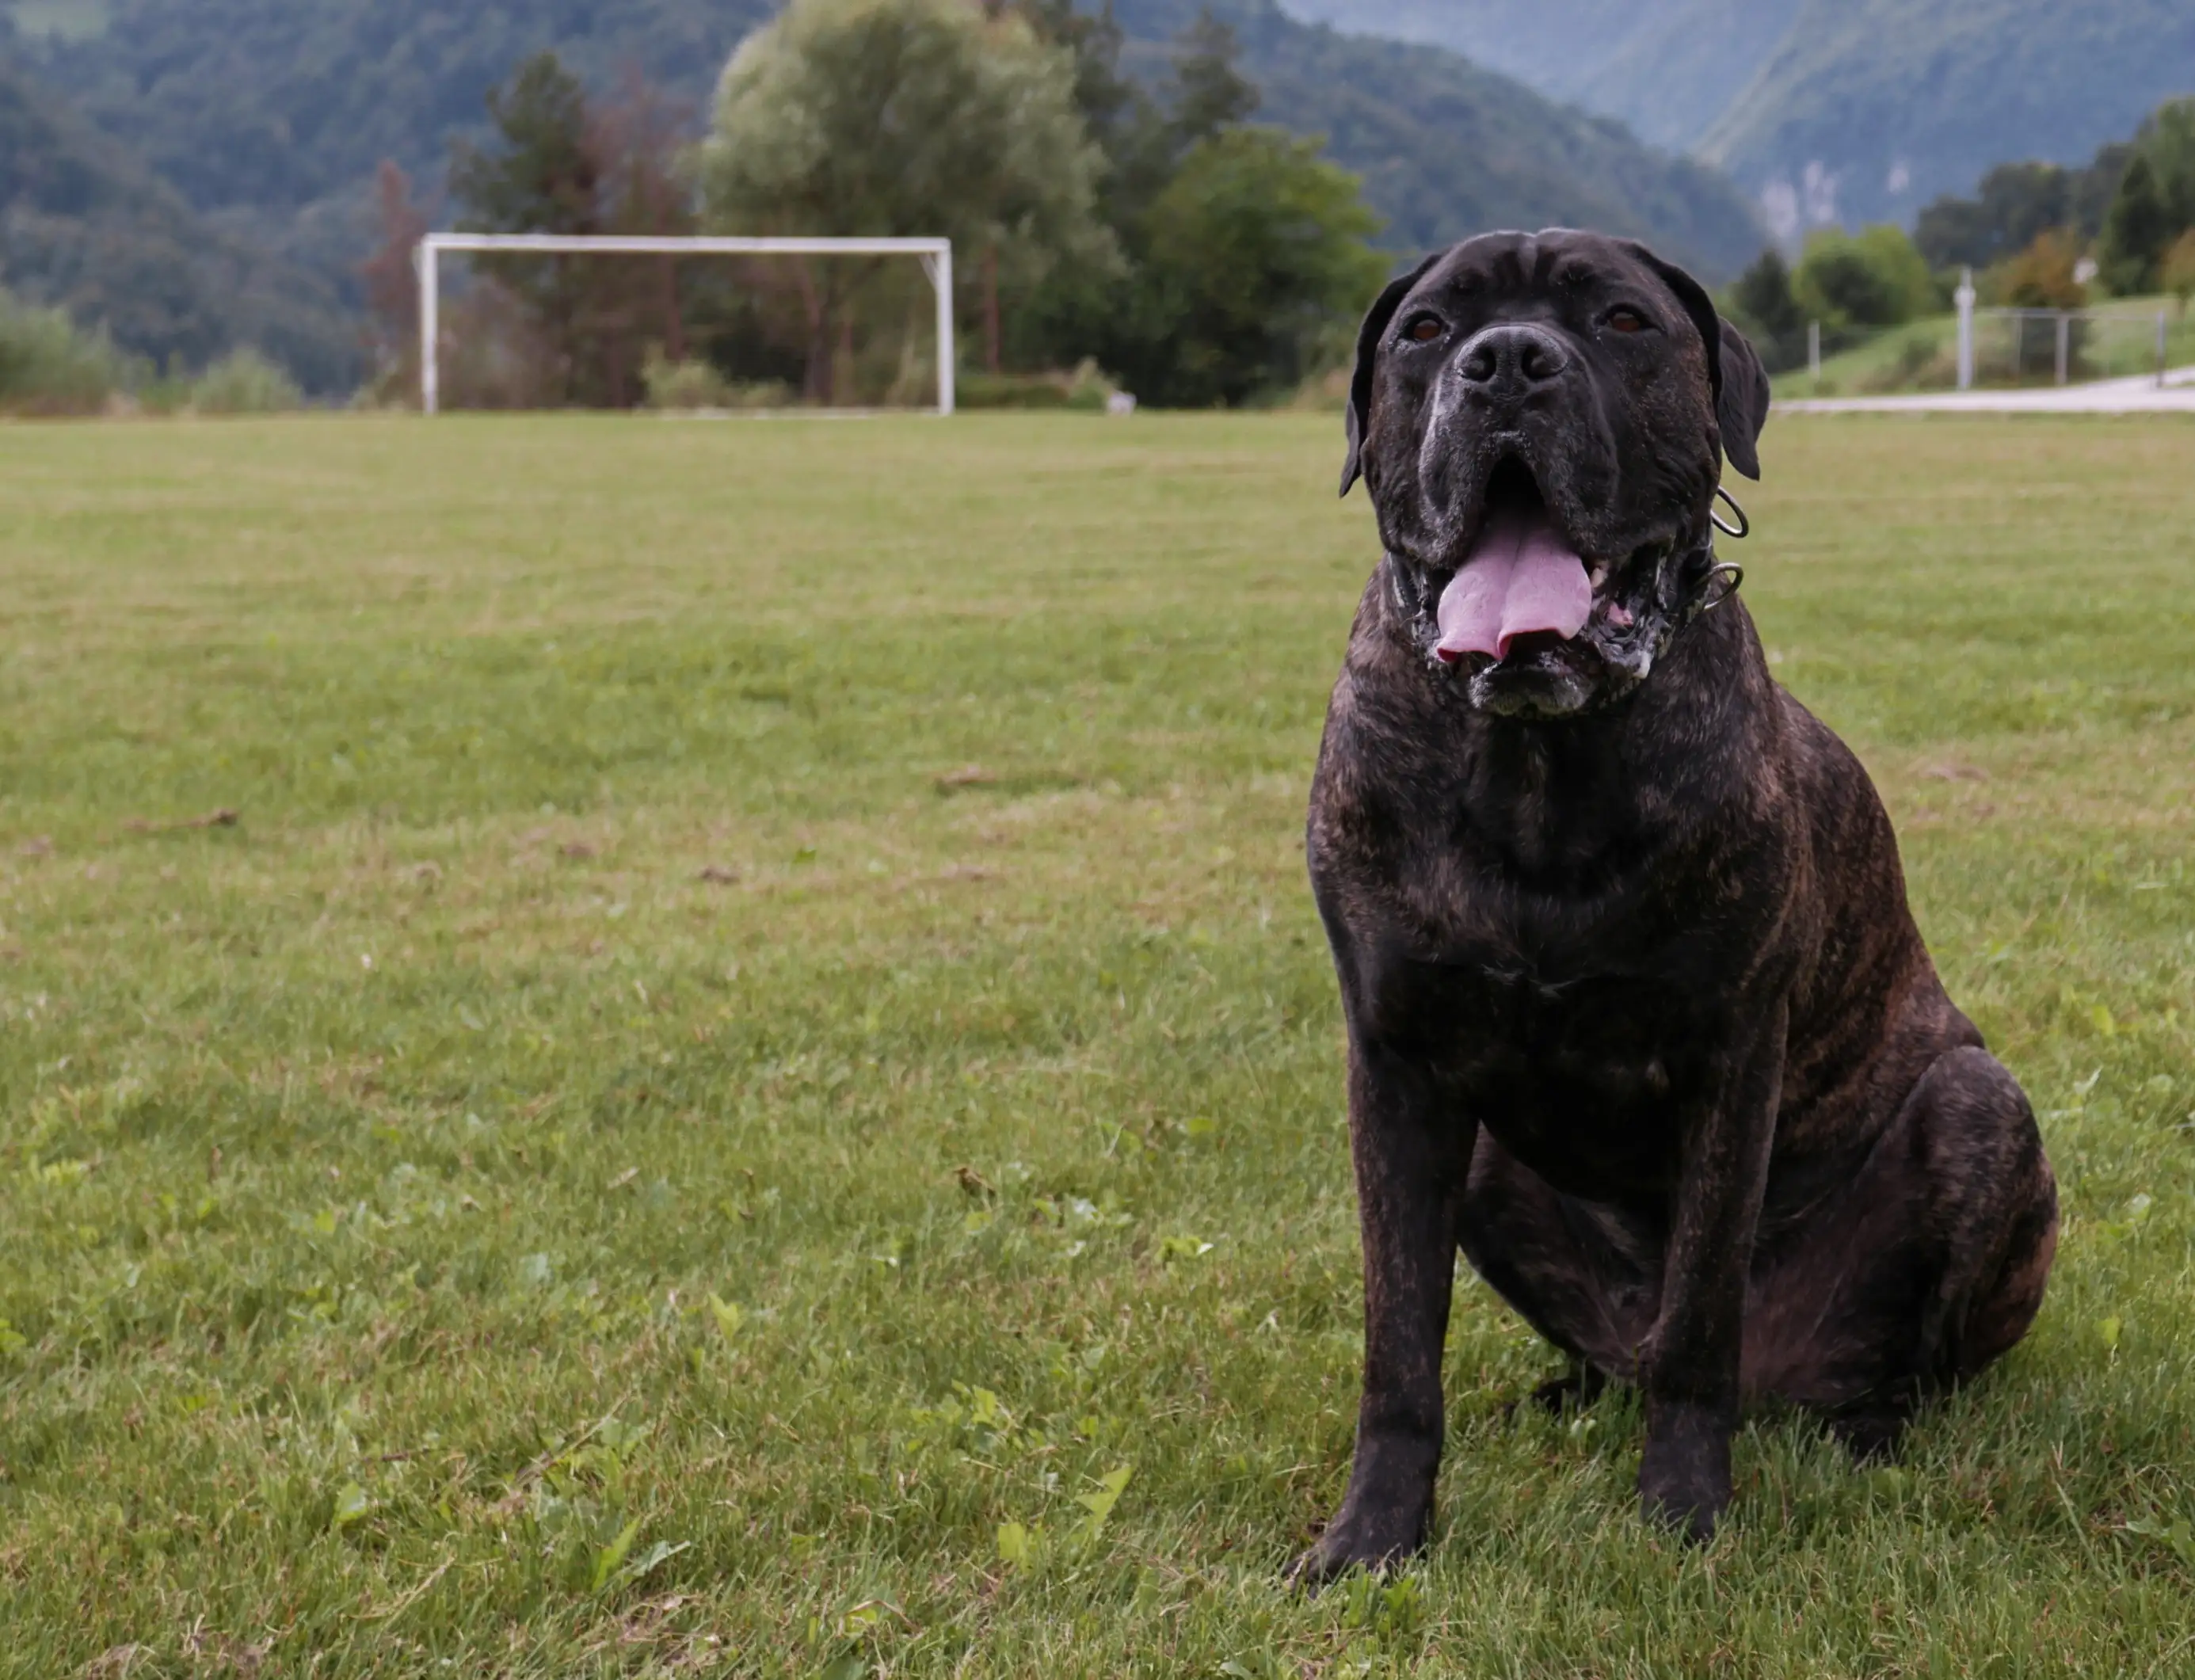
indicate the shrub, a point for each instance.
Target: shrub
{"x":1874,"y":278}
{"x":684,"y":385}
{"x":1085,"y":390}
{"x":50,"y":365}
{"x":244,"y":381}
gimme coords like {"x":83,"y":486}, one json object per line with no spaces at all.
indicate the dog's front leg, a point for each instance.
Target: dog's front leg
{"x":1689,"y":1366}
{"x":1411,"y":1156}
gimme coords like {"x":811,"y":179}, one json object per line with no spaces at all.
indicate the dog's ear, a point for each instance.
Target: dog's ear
{"x":1368,"y":350}
{"x":1741,"y":404}
{"x":1734,"y":371}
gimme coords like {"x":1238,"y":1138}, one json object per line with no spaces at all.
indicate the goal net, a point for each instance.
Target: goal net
{"x":562,"y":309}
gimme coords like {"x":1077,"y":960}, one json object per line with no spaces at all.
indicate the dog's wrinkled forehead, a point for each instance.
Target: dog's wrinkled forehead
{"x":1553,"y":267}
{"x":1575,"y":285}
{"x":1561,"y":277}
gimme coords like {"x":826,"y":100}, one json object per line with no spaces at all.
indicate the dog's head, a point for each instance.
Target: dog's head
{"x":1541,"y":420}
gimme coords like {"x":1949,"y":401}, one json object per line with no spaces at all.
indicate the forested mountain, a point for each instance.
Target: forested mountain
{"x":1852,"y":110}
{"x":274,"y":112}
{"x":1447,"y":148}
{"x":1898,"y":100}
{"x":85,"y":225}
{"x":1666,"y":68}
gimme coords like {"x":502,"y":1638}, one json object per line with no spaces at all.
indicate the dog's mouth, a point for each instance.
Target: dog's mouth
{"x":1521,"y":579}
{"x":1528,"y":609}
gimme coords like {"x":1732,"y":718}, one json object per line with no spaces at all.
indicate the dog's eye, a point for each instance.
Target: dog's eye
{"x":1625,"y":319}
{"x":1424,"y":329}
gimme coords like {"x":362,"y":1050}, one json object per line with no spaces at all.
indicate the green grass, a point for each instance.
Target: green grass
{"x":447,"y":1234}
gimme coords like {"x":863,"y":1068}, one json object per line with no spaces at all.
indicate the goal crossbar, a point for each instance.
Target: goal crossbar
{"x":935,"y":254}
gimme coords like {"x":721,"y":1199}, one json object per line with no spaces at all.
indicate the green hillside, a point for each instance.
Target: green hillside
{"x":1666,"y":68}
{"x":1898,"y":100}
{"x":276,"y":112}
{"x":1862,"y":109}
{"x":85,"y":225}
{"x":1447,"y":149}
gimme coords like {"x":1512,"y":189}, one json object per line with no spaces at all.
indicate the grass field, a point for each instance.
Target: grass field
{"x":758,"y":1042}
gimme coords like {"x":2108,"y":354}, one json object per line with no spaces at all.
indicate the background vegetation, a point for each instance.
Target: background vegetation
{"x":272,"y":116}
{"x":583,"y":1097}
{"x":2035,"y":235}
{"x":87,"y":228}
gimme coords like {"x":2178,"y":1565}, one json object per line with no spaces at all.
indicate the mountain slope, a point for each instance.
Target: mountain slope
{"x":1846,"y":110}
{"x":277,"y":111}
{"x":85,"y":225}
{"x":1447,"y":149}
{"x":1890,"y":102}
{"x":1666,"y":68}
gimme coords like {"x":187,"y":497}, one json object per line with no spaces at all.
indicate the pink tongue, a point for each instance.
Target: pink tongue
{"x":1519,"y":578}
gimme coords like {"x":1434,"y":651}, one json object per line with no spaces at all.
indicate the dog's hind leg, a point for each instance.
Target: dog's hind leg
{"x":1585,"y":1277}
{"x":1930,"y":1264}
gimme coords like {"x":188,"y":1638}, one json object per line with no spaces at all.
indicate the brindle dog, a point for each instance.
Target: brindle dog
{"x":1638,"y":1017}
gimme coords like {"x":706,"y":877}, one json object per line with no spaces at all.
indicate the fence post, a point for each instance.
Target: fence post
{"x":1814,"y":350}
{"x":2160,"y":349}
{"x":1964,"y":297}
{"x":2064,"y":336}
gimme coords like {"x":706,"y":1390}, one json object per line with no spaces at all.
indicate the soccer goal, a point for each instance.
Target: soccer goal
{"x":936,"y":257}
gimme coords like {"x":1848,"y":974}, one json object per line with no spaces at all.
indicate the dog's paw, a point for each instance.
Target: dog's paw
{"x":1356,"y":1543}
{"x":1684,"y":1476}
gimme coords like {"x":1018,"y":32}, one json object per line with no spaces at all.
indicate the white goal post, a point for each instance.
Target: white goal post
{"x":937,"y":256}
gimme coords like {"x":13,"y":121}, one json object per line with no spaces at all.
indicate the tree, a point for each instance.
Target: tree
{"x":391,"y":281}
{"x":570,"y":164}
{"x":1761,"y":303}
{"x":2167,"y":139}
{"x":2014,"y":202}
{"x":2136,"y":230}
{"x":1874,"y":278}
{"x":637,"y":138}
{"x":1257,"y":249}
{"x":2045,"y":275}
{"x":544,"y":180}
{"x":1209,"y":94}
{"x":2177,"y":271}
{"x":901,"y":118}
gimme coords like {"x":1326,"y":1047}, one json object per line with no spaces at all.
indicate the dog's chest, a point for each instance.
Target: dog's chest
{"x":1574,"y":1034}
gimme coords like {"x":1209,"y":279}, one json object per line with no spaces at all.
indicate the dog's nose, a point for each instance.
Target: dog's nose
{"x":1512,"y":359}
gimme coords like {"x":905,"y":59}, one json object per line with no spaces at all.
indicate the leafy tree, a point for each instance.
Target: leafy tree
{"x":1874,"y":278}
{"x":1209,"y":93}
{"x":569,"y":165}
{"x":1257,"y":249}
{"x":2045,"y":275}
{"x":2014,"y":203}
{"x":2177,"y":271}
{"x":1107,"y":100}
{"x":392,"y":282}
{"x":2136,"y":230}
{"x":2167,"y":139}
{"x":901,"y":117}
{"x":1244,"y":254}
{"x":544,"y":179}
{"x":1761,"y":303}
